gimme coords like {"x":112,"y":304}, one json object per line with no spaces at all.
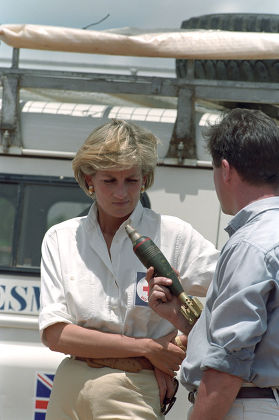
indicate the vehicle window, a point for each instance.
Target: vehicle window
{"x":29,"y":206}
{"x":64,"y":210}
{"x":8,"y":197}
{"x":44,"y":206}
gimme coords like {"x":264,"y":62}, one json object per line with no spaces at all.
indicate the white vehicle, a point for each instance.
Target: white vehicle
{"x":39,"y":137}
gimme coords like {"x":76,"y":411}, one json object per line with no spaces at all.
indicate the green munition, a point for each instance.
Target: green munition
{"x":150,"y":255}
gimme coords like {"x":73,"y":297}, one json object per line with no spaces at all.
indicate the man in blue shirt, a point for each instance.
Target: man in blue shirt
{"x":232,"y":363}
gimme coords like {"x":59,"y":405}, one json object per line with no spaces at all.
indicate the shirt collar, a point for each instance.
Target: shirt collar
{"x":246,"y":214}
{"x":92,"y":215}
{"x":136,"y":216}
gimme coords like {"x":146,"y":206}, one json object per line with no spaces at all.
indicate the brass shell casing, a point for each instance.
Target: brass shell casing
{"x":191,"y":307}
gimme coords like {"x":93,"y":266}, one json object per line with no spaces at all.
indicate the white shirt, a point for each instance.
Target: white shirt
{"x":81,"y":284}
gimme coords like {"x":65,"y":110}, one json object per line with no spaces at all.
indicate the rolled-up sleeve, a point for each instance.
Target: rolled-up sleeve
{"x":237,"y":315}
{"x":53,"y":303}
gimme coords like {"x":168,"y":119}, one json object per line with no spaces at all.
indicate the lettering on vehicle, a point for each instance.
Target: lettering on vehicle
{"x":20,"y":296}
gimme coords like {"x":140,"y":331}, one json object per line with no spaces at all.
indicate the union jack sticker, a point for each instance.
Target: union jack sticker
{"x":44,"y":382}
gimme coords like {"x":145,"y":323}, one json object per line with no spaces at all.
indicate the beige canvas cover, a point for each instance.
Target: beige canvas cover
{"x":190,"y":44}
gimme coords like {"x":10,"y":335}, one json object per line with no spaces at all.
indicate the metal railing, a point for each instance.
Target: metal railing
{"x":182,"y":147}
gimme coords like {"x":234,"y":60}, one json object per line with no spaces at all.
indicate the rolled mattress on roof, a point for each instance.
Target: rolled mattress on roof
{"x":189,"y":44}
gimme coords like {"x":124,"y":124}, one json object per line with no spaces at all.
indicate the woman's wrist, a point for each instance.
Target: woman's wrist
{"x":142,"y":346}
{"x":148,"y":346}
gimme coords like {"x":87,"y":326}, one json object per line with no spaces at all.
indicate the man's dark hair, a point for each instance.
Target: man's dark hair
{"x":249,"y":141}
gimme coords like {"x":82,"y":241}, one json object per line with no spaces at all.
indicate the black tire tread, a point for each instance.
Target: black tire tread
{"x":241,"y":70}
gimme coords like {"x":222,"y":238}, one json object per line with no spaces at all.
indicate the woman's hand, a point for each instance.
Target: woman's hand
{"x":164,"y":354}
{"x":166,"y":385}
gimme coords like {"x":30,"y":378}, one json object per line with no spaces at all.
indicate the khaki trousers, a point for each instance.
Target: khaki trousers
{"x":84,"y":393}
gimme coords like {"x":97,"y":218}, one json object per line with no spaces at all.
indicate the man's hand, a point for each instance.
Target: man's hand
{"x":163,"y":302}
{"x":160,"y":298}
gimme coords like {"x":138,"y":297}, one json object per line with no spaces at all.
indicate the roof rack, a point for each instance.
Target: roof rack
{"x":187,"y":90}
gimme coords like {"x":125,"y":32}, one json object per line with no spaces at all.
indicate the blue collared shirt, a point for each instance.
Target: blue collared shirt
{"x":238,"y":332}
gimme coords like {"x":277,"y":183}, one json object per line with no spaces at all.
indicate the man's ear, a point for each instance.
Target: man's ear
{"x":226,"y":171}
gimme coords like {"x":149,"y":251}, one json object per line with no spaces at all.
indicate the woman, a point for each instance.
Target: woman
{"x":94,"y":294}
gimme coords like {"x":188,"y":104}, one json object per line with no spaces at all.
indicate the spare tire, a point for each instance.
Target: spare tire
{"x":241,"y":70}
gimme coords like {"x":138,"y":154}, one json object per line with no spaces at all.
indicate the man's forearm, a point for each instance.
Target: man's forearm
{"x":217,"y":392}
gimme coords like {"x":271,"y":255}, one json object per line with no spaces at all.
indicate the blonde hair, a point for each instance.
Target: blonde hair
{"x":116,"y":145}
